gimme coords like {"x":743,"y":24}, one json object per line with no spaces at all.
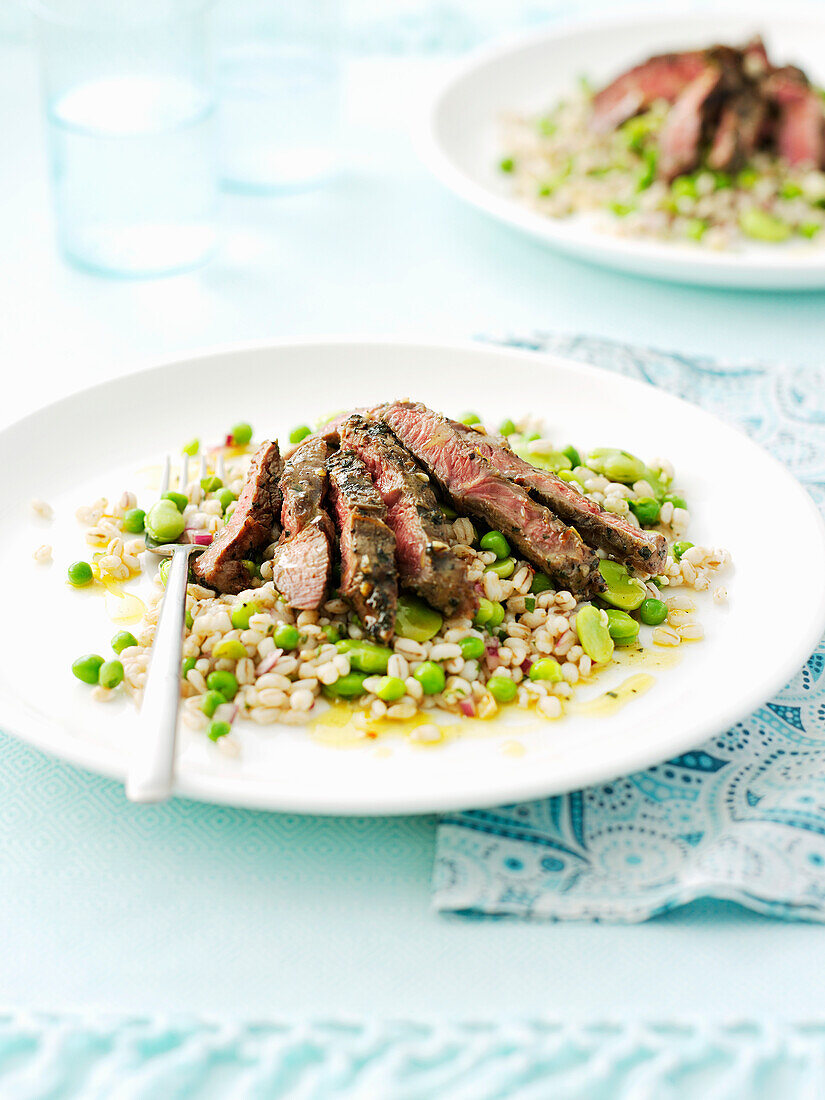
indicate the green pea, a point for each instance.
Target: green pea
{"x":652,"y":612}
{"x":507,"y":427}
{"x":88,"y":668}
{"x":503,"y":569}
{"x":242,"y":613}
{"x":252,"y":567}
{"x":80,"y":574}
{"x":763,"y":226}
{"x":502,"y":689}
{"x":622,"y":628}
{"x":621,"y":209}
{"x":684,"y":187}
{"x":241,"y":434}
{"x":299,"y":433}
{"x":809,"y":230}
{"x":570,"y":452}
{"x":186,"y":667}
{"x":790,"y":190}
{"x":546,"y":668}
{"x":189,"y":619}
{"x":229,"y":649}
{"x":616,"y":465}
{"x":211,"y":701}
{"x":470,"y":418}
{"x":623,"y":591}
{"x":497,"y":617}
{"x":124,"y":639}
{"x":217,"y":730}
{"x":507,"y":164}
{"x":747,"y":179}
{"x":472,"y":648}
{"x":192,"y":447}
{"x":178,"y":499}
{"x":331,"y":632}
{"x":679,"y":548}
{"x":286,"y":636}
{"x":416,"y":620}
{"x":111,"y":674}
{"x":346,"y":687}
{"x":225,"y":497}
{"x":134,"y":520}
{"x":431,"y":677}
{"x":224,"y":682}
{"x":541,"y":583}
{"x":211,"y":483}
{"x":554,"y":461}
{"x":495,"y":541}
{"x":391,"y":688}
{"x":593,"y":634}
{"x":675,"y":500}
{"x":646,"y":510}
{"x":164,"y":523}
{"x":695,"y":228}
{"x":365,"y":656}
{"x":484,"y":612}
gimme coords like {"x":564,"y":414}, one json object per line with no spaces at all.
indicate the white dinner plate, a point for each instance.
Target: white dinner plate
{"x":107,"y":439}
{"x":462,"y":139}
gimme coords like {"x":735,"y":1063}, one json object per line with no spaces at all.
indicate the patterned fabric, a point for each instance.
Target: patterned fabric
{"x":743,"y":816}
{"x":90,"y":1058}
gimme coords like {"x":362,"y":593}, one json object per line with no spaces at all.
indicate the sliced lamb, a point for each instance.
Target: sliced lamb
{"x":474,"y":484}
{"x":302,"y":562}
{"x":740,"y":127}
{"x":680,"y":143}
{"x":251,"y":527}
{"x":643,"y":550}
{"x":369,"y":581}
{"x":426,"y":563}
{"x":663,"y":77}
{"x":800,"y":127}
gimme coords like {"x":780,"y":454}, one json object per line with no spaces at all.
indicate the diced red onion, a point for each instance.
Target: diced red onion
{"x":269,"y":662}
{"x":197,"y":538}
{"x":226,"y":712}
{"x":526,"y":665}
{"x":468,"y":708}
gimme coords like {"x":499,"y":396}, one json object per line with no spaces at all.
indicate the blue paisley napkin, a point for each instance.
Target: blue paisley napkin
{"x":741,"y":817}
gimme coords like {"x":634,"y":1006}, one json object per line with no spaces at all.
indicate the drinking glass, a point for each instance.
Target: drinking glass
{"x":130,"y":114}
{"x":279,"y":80}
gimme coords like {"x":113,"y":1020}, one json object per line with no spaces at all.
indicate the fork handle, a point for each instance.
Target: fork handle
{"x":152,"y":763}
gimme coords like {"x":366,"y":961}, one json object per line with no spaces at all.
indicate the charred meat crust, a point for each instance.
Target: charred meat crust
{"x":251,"y":527}
{"x":302,"y":562}
{"x":642,"y":550}
{"x":466,"y":475}
{"x":369,"y":580}
{"x":426,"y":563}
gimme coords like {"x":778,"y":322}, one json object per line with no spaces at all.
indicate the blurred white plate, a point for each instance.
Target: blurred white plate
{"x":463,"y":145}
{"x":98,"y":442}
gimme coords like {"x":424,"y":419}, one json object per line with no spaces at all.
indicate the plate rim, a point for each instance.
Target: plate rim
{"x":704,"y":267}
{"x":49,"y":734}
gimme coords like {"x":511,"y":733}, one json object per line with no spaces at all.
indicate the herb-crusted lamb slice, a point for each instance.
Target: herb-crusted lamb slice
{"x":251,"y":527}
{"x":426,"y":562}
{"x":369,"y":580}
{"x":302,"y":563}
{"x":463,"y":471}
{"x":643,"y":550}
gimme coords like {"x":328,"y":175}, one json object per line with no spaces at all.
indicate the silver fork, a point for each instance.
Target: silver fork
{"x":152,"y":765}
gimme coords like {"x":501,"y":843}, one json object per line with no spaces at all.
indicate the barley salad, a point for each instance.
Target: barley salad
{"x":520,"y":639}
{"x":713,"y":147}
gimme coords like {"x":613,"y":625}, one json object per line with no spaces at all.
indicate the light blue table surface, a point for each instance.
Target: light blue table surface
{"x":215,"y":911}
